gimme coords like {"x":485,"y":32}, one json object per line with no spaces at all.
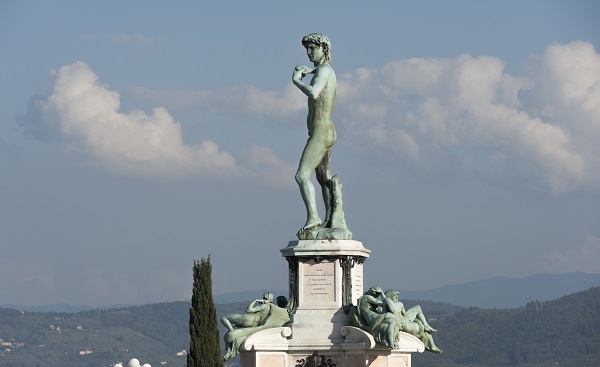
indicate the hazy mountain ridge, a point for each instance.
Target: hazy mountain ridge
{"x":499,"y":292}
{"x":504,"y":292}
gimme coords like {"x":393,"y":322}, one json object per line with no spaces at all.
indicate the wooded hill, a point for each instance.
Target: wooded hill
{"x":563,"y":332}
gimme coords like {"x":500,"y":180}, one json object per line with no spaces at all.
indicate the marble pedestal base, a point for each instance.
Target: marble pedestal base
{"x":271,"y":348}
{"x":325,"y":277}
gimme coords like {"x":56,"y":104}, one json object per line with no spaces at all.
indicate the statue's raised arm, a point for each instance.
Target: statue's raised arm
{"x":322,"y":76}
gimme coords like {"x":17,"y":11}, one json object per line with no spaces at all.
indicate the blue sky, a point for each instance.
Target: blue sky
{"x":137,"y":136}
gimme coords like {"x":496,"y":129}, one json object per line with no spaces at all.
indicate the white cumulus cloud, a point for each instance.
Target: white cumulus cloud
{"x":542,"y":126}
{"x":85,"y":114}
{"x":545,"y":123}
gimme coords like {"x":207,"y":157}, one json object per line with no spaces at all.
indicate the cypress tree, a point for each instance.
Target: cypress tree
{"x":205,"y":348}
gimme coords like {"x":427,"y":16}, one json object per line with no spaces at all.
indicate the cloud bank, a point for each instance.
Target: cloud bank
{"x":86,"y":116}
{"x":542,"y":126}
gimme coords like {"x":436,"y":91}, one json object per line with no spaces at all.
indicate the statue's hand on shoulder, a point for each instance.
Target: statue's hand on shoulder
{"x":300,"y":71}
{"x":298,"y":74}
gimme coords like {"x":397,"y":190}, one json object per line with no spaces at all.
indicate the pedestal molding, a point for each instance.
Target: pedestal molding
{"x":272,"y":339}
{"x":356,"y":338}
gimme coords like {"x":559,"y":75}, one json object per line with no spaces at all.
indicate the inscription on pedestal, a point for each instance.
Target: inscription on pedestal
{"x":357,"y":283}
{"x":319,"y":282}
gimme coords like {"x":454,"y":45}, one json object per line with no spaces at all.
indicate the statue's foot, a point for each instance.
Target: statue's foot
{"x":429,"y":329}
{"x":311,"y":223}
{"x":436,"y":350}
{"x":391,"y":345}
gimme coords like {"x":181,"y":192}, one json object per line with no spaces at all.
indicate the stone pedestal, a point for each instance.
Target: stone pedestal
{"x":325,"y":278}
{"x":271,"y":348}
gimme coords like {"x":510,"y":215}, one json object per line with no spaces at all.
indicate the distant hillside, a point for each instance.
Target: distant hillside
{"x":98,"y":338}
{"x":59,"y":307}
{"x":508,"y":292}
{"x":245,"y":296}
{"x":499,"y":292}
{"x":563,"y":332}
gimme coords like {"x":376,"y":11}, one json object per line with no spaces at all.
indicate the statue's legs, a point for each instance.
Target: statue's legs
{"x":391,"y":334}
{"x":312,"y":155}
{"x":225,"y":321}
{"x":429,"y":344}
{"x":415,"y":313}
{"x":323,"y":177}
{"x":307,"y":190}
{"x":240,"y":320}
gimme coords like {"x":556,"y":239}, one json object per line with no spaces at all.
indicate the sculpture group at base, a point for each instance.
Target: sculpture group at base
{"x":261,"y":314}
{"x":384,"y":318}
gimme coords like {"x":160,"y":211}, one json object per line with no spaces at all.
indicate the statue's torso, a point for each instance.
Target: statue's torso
{"x":320,"y":109}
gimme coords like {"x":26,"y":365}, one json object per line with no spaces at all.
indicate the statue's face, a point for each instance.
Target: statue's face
{"x":315,"y":52}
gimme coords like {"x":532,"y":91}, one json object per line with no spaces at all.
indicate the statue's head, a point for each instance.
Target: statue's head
{"x":319,"y":39}
{"x":268,"y":297}
{"x":373,"y":291}
{"x":392,"y":294}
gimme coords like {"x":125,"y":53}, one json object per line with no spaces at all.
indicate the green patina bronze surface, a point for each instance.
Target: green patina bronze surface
{"x":321,"y":93}
{"x":261,"y":314}
{"x":385,"y":318}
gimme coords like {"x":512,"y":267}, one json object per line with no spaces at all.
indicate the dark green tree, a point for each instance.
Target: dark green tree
{"x":205,"y":349}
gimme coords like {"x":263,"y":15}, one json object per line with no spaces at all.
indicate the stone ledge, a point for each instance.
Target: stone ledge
{"x":325,"y":248}
{"x":356,"y":338}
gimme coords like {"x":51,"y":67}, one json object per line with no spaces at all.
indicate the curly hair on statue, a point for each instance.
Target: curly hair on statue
{"x":321,"y":40}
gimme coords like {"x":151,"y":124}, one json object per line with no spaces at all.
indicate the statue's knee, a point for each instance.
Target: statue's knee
{"x":302,"y":177}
